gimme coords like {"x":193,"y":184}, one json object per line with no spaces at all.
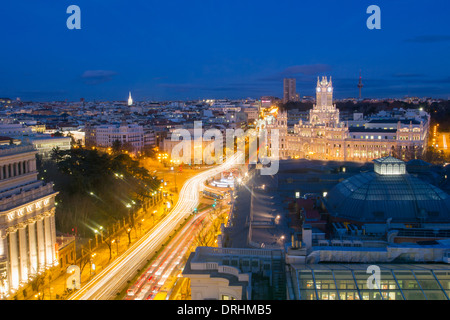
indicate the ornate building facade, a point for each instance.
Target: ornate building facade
{"x":324,"y":136}
{"x":27,"y":219}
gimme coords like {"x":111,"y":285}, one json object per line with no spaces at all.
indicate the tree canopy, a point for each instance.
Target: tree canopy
{"x":95,"y":187}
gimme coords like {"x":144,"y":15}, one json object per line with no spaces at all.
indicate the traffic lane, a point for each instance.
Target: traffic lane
{"x":109,"y":280}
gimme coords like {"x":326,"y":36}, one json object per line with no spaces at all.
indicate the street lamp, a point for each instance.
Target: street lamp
{"x":91,"y":263}
{"x":175,"y":178}
{"x":96,"y":237}
{"x":101,"y":232}
{"x":117,"y":245}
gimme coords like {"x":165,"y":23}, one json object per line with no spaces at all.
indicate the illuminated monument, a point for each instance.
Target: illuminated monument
{"x":324,"y":112}
{"x":325,"y":137}
{"x":27,"y":219}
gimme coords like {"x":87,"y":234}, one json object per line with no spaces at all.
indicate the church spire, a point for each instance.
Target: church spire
{"x":130,"y":100}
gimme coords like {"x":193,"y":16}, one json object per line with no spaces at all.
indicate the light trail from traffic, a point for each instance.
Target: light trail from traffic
{"x":156,"y":275}
{"x":114,"y":277}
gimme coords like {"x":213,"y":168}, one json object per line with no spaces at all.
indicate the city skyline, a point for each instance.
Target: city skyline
{"x":217,"y":151}
{"x":179,"y":51}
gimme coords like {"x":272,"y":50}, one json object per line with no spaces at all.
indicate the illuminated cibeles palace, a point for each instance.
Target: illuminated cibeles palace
{"x":27,"y":219}
{"x":325,"y":136}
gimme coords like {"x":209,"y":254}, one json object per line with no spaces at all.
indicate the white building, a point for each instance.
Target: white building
{"x":27,"y":221}
{"x":14,"y":129}
{"x":105,"y":135}
{"x":45,"y":144}
{"x":149,"y":137}
{"x":235,"y":273}
{"x":324,"y":136}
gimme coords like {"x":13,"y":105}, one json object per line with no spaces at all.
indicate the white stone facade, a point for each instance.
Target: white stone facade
{"x":105,"y":135}
{"x":325,"y":137}
{"x":27,"y":219}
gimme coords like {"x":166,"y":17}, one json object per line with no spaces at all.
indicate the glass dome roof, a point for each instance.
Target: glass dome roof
{"x":373,"y":197}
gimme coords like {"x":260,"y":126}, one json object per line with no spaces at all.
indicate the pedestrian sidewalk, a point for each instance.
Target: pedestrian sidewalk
{"x":55,"y":288}
{"x":55,"y":285}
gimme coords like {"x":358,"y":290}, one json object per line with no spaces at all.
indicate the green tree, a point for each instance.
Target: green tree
{"x":116,"y":146}
{"x":94,"y":187}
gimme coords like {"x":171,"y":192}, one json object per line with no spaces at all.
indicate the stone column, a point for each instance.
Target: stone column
{"x":1,"y":173}
{"x":3,"y":244}
{"x":49,"y":247}
{"x":32,"y":165}
{"x":40,"y":243}
{"x":32,"y":243}
{"x":14,"y":272}
{"x":53,"y":233}
{"x":23,"y":253}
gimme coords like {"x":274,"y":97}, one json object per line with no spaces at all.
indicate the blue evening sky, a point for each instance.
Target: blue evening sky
{"x":189,"y":49}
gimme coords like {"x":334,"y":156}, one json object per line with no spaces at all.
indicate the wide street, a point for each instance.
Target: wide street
{"x":168,"y":262}
{"x":113,"y":278}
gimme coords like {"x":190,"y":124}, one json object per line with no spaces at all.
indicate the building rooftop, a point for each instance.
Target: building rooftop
{"x":363,"y":129}
{"x":349,"y":282}
{"x":403,"y":121}
{"x":13,"y":149}
{"x":388,"y":160}
{"x":372,"y":197}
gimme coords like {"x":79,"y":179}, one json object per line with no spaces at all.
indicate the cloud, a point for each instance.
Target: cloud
{"x":307,"y":70}
{"x":98,"y":76}
{"x":218,"y":90}
{"x":445,"y":80}
{"x":408,"y":75}
{"x":40,"y":94}
{"x":419,"y":78}
{"x":298,"y":70}
{"x":433,"y":38}
{"x":181,"y":87}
